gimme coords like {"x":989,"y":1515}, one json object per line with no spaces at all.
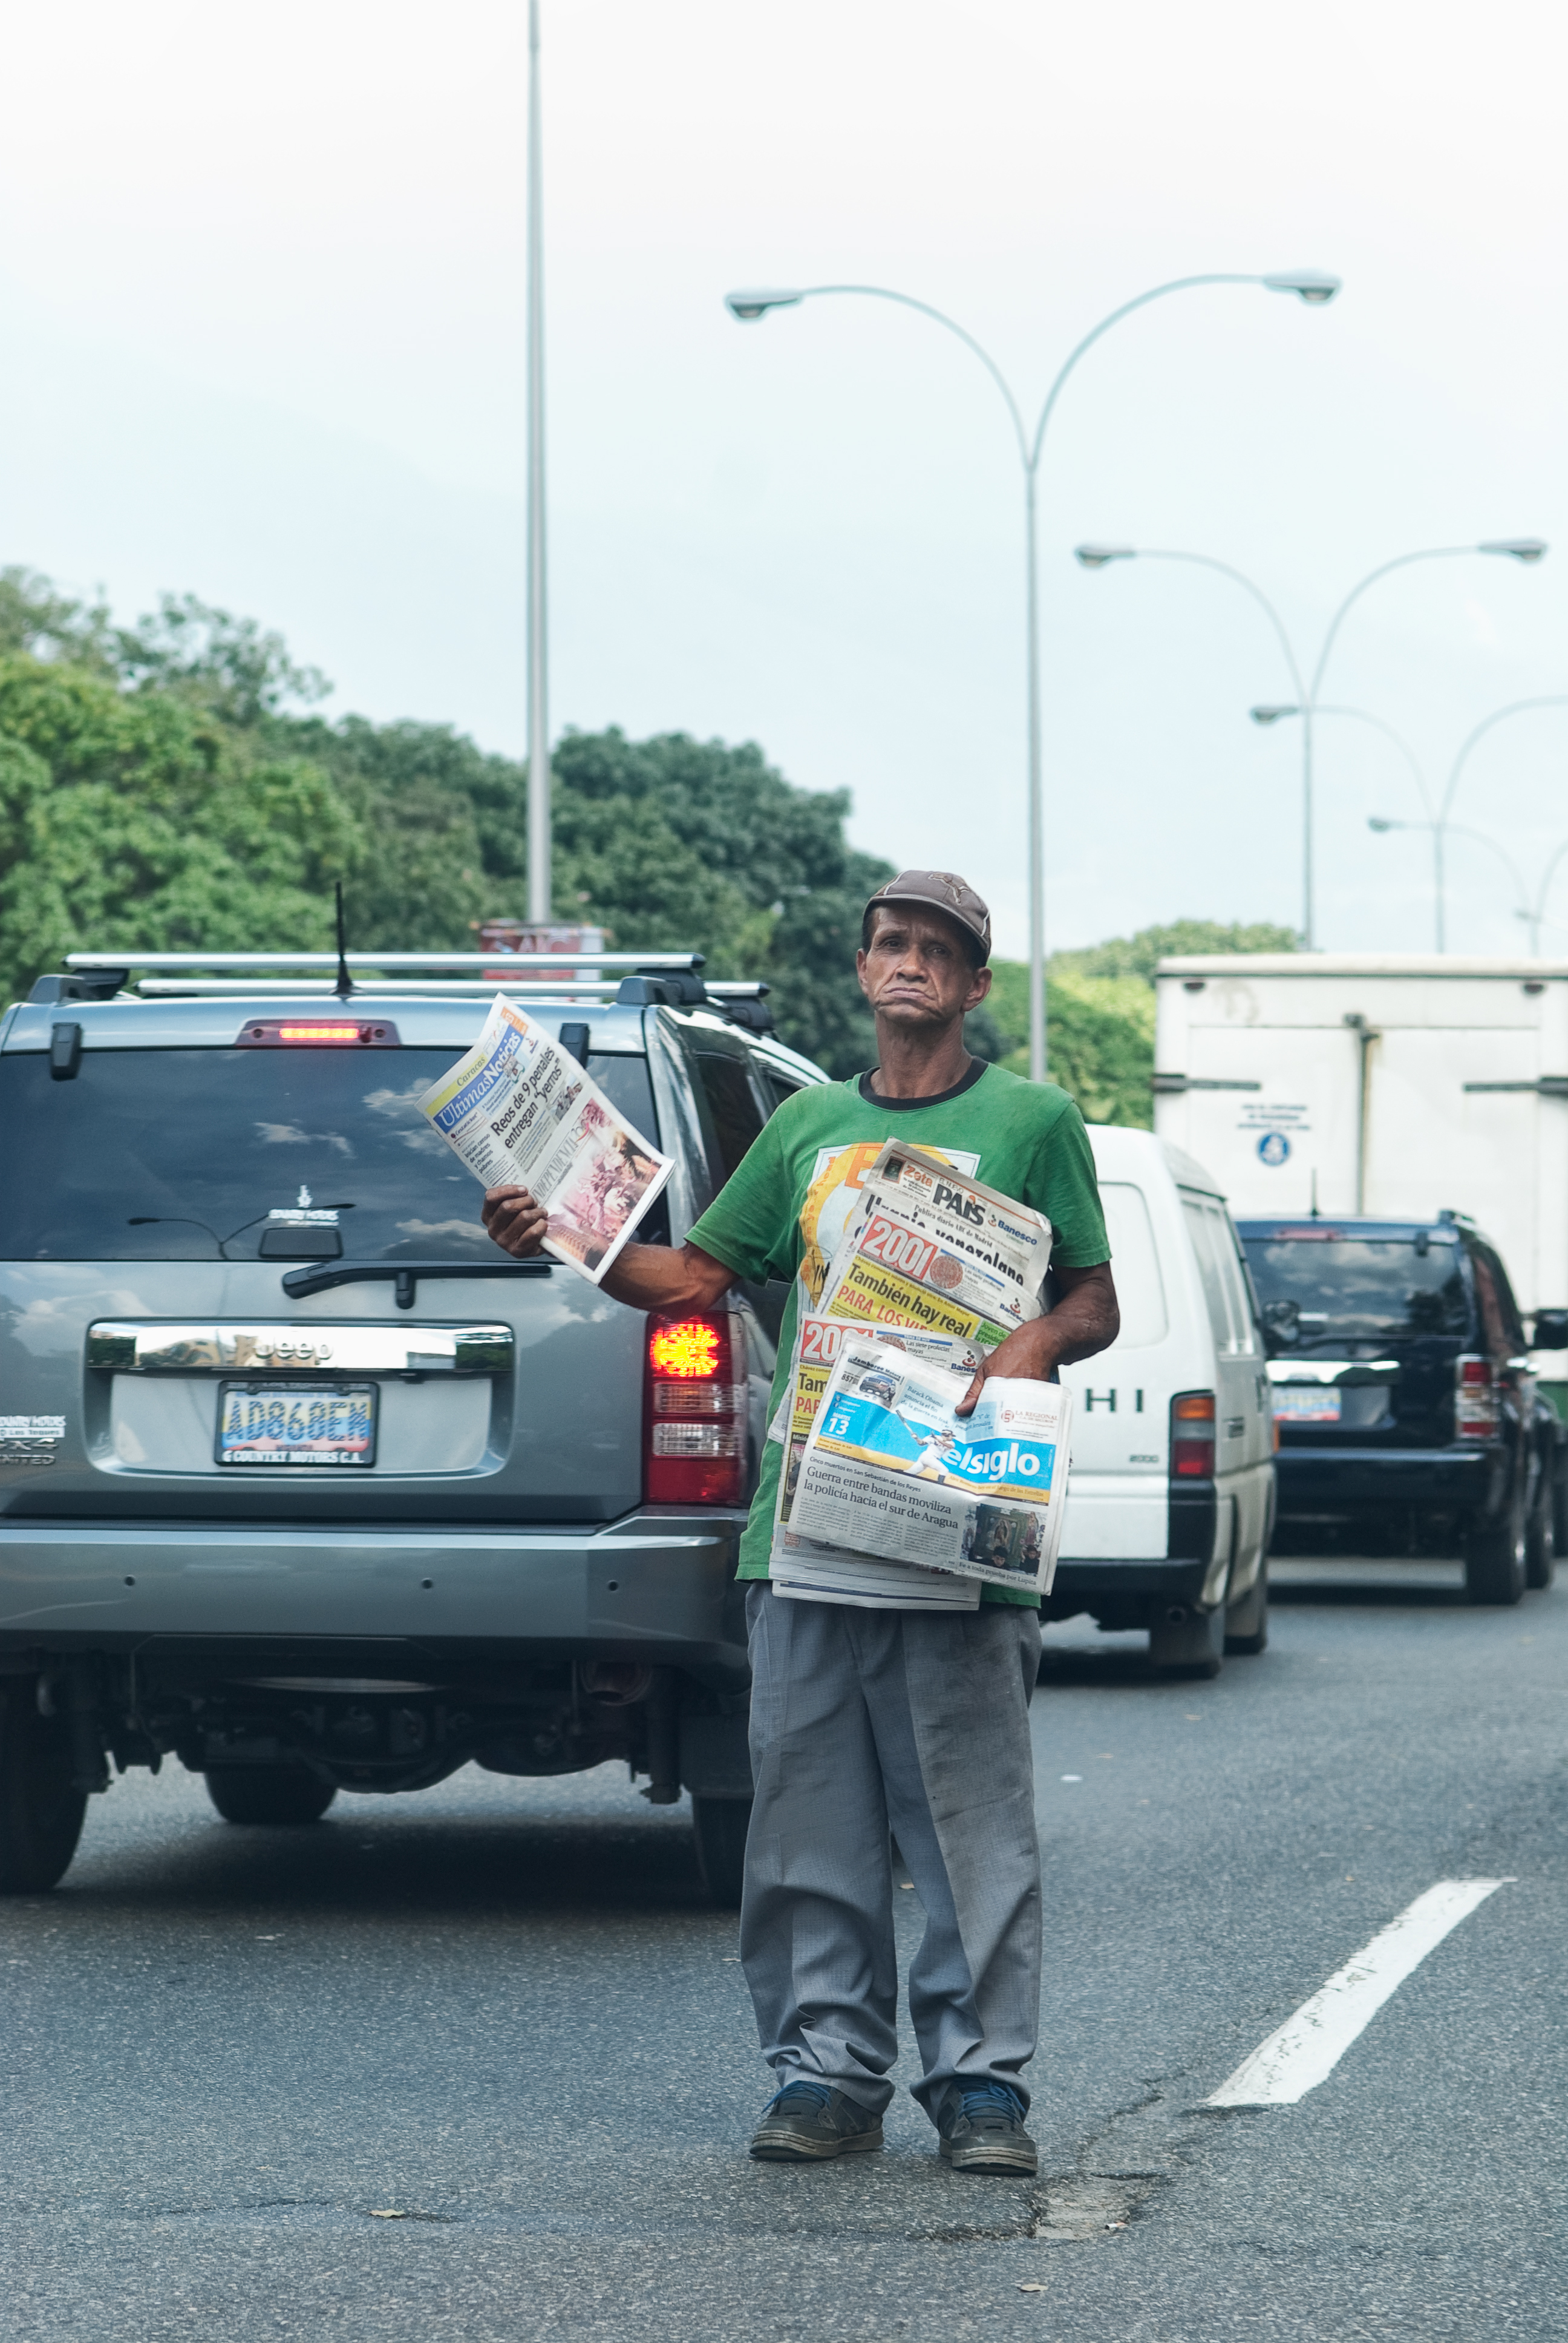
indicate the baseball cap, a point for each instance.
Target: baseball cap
{"x":941,"y":891}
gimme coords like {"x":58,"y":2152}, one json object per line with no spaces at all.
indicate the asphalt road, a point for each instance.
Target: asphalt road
{"x":501,"y":2013}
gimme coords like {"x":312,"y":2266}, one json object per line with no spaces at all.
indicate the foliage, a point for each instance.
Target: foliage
{"x":1100,"y":1010}
{"x":1140,"y":955}
{"x":164,"y":785}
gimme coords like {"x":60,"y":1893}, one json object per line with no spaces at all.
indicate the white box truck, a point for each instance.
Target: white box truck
{"x":1388,"y":1085}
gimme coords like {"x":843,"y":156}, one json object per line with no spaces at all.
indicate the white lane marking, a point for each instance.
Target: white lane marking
{"x":1307,"y":2047}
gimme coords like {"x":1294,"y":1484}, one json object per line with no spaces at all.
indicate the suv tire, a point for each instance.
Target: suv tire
{"x":268,"y":1794}
{"x":1494,"y":1558}
{"x":1247,"y":1621}
{"x":722,"y":1825}
{"x":1541,"y":1541}
{"x":40,"y":1807}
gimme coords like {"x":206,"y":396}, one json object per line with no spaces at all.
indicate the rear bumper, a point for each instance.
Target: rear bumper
{"x":655,"y":1586}
{"x":1080,"y":1584}
{"x":1319,"y":1485}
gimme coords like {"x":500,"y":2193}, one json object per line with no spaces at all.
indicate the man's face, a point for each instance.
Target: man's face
{"x":916,"y":974}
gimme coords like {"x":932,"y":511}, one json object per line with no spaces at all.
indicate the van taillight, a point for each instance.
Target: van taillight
{"x":695,"y":1452}
{"x":1475,"y":1412}
{"x":1192,"y":1436}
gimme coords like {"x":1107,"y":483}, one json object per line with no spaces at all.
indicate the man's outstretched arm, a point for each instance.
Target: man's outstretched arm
{"x":648,"y":1277}
{"x":1086,"y":1319}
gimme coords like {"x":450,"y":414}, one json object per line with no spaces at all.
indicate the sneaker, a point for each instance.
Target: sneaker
{"x":981,"y":2128}
{"x":810,"y":2123}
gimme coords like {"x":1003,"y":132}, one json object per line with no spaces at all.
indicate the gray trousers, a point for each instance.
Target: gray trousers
{"x":863,"y":1720}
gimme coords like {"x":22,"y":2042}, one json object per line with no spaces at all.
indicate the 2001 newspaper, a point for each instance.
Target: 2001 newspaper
{"x":516,"y":1108}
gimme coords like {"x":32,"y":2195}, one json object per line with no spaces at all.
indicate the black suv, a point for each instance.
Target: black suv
{"x":1408,"y":1420}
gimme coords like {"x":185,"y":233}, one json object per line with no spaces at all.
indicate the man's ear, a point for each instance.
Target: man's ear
{"x":979,"y":985}
{"x":860,"y":973}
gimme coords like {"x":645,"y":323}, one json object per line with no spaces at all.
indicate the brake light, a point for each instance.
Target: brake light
{"x":1475,"y":1409}
{"x":695,"y":1453}
{"x":1192,"y":1436}
{"x":315,"y":1033}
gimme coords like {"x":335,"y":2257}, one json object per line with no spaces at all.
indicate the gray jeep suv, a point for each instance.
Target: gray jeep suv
{"x":303,"y":1481}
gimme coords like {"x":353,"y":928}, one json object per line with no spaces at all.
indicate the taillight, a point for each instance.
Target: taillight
{"x":1192,"y":1436}
{"x":1475,"y":1412}
{"x":696,"y":1440}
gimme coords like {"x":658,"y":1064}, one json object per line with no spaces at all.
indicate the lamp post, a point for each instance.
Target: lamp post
{"x":1308,"y":285}
{"x":1380,"y":822}
{"x":1514,"y":708}
{"x":1534,"y":918}
{"x":538,"y":668}
{"x":1526,"y":550}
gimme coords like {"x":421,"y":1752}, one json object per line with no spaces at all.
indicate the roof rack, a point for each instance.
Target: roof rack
{"x":264,"y":964}
{"x":543,"y":980}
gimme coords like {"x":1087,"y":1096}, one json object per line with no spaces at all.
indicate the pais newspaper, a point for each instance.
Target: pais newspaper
{"x":516,"y":1109}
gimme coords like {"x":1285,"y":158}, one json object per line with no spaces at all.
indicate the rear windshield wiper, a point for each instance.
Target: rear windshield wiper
{"x":405,"y":1274}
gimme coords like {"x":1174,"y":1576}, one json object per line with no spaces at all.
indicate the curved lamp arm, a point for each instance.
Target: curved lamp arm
{"x":1400,"y":562}
{"x":1225,"y":569}
{"x":1514,"y":708}
{"x":1400,"y":742}
{"x":1458,"y":829}
{"x":1549,"y":873}
{"x":1142,"y":301}
{"x":907,"y":301}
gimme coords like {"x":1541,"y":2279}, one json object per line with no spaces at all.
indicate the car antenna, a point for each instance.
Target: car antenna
{"x":344,"y":984}
{"x":1316,"y":1214}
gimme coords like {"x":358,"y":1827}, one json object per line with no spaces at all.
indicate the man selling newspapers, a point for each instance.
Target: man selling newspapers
{"x":900,"y":1538}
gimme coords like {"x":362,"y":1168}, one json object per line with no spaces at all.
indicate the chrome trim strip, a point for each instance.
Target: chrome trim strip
{"x":126,"y":1347}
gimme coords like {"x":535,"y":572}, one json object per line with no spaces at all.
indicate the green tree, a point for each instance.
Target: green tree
{"x":136,"y":820}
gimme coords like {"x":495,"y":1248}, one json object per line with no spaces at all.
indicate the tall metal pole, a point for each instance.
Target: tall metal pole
{"x":1036,"y":1020}
{"x":538,"y":668}
{"x":1308,"y":939}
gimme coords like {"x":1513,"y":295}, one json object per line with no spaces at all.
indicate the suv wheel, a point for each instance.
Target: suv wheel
{"x":722,"y":1825}
{"x":268,"y":1794}
{"x":40,"y":1807}
{"x":1494,"y":1558}
{"x":1541,"y":1541}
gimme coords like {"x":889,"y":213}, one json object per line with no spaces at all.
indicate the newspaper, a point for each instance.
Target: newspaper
{"x":989,"y":1231}
{"x":889,"y":1469}
{"x":516,"y":1109}
{"x":837,"y":1177}
{"x":805,"y":1567}
{"x":890,"y":1271}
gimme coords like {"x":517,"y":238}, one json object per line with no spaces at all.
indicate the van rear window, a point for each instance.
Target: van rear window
{"x":183,"y":1155}
{"x":1315,"y":1288}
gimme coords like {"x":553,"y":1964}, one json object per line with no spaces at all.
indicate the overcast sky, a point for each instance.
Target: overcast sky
{"x":261,"y":278}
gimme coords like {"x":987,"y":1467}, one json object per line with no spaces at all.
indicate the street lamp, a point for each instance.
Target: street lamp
{"x":1307,"y":705}
{"x":1514,"y":708}
{"x":1380,"y":822}
{"x":1536,"y":917}
{"x":748,"y":305}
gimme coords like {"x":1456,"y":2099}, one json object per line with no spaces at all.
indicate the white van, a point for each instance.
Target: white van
{"x":1171,"y":1498}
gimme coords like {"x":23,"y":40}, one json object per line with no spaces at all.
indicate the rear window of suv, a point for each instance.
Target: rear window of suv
{"x":1331,"y":1288}
{"x":181,"y":1154}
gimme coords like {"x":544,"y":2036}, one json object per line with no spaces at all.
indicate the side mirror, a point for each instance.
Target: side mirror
{"x":1551,"y":1330}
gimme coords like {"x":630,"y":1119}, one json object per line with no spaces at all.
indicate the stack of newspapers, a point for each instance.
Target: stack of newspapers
{"x":887,"y":1498}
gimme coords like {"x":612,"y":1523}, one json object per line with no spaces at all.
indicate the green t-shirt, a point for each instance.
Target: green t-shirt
{"x":1030,"y":1143}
